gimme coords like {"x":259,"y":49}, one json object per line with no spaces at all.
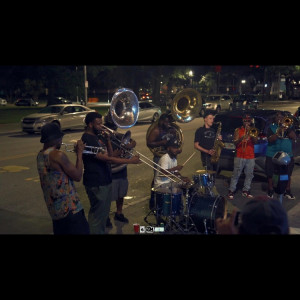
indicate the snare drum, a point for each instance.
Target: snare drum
{"x":202,"y":179}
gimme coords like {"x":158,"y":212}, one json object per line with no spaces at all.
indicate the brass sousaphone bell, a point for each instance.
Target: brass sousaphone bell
{"x":124,"y":112}
{"x":184,"y":108}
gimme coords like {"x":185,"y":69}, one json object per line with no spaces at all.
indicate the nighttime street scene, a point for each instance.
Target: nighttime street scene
{"x":150,"y":150}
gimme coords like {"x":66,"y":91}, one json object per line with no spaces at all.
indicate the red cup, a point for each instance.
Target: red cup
{"x":136,"y":228}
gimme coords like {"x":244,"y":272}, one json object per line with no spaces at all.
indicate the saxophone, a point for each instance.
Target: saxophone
{"x":218,"y":145}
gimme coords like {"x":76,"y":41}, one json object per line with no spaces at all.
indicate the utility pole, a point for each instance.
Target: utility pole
{"x":86,"y":85}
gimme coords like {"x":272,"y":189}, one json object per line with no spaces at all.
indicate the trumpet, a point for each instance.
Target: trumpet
{"x":253,"y":132}
{"x":87,"y":149}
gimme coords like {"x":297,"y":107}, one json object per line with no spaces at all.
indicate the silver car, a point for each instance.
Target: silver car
{"x":67,"y":116}
{"x":148,"y":112}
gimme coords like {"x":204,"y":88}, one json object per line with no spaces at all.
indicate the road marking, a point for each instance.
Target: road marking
{"x":35,"y":179}
{"x":17,"y":156}
{"x":13,"y":169}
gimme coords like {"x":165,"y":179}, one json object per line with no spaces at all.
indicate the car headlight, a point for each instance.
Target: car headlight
{"x":41,"y":122}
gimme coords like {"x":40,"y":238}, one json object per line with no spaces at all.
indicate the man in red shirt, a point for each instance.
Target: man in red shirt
{"x":244,"y":159}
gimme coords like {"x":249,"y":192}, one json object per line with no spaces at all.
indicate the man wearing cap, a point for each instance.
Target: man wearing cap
{"x":97,"y":176}
{"x":168,"y":163}
{"x":244,"y":159}
{"x":57,"y":175}
{"x":260,"y":215}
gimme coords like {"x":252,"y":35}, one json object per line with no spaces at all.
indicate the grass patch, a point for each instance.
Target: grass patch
{"x":13,"y":114}
{"x":10,"y":114}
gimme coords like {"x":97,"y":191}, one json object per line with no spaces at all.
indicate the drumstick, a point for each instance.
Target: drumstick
{"x":189,"y":158}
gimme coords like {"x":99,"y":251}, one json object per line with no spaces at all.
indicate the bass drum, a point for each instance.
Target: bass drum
{"x":205,"y":209}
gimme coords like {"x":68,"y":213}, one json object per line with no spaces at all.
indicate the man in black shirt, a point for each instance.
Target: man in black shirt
{"x":204,"y":141}
{"x":122,"y":145}
{"x":97,"y":176}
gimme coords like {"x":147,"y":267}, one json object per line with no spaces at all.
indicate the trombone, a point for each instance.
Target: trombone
{"x":121,"y":145}
{"x":87,"y":149}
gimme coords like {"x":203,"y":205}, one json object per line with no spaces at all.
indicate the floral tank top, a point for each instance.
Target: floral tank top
{"x":59,"y":190}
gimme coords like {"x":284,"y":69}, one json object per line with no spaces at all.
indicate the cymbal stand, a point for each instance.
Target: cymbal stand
{"x":204,"y":222}
{"x":171,"y":219}
{"x":154,"y":212}
{"x":187,"y":214}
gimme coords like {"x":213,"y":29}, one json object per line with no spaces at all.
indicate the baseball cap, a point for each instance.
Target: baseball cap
{"x":263,"y":215}
{"x":50,"y":132}
{"x":173,"y":143}
{"x":247,"y":117}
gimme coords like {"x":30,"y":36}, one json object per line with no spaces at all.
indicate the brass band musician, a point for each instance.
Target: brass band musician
{"x":204,"y":141}
{"x":97,"y":176}
{"x":245,"y":157}
{"x":158,"y":138}
{"x":280,"y":138}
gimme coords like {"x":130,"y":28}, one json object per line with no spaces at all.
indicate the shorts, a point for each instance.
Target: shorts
{"x":119,"y":188}
{"x":269,"y":166}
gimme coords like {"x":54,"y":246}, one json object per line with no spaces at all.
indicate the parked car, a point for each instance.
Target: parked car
{"x":67,"y":116}
{"x":245,"y":101}
{"x":148,"y":112}
{"x":26,"y":102}
{"x":216,"y":103}
{"x":60,"y":100}
{"x":262,"y":120}
{"x":3,"y":102}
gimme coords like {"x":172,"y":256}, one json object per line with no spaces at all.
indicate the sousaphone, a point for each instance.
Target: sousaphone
{"x":123,"y":112}
{"x":184,"y":108}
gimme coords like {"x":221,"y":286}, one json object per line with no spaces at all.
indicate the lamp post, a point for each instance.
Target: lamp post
{"x":86,"y":85}
{"x":191,"y":78}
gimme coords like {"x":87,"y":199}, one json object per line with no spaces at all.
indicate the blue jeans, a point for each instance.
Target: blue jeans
{"x":241,"y":164}
{"x":100,"y":199}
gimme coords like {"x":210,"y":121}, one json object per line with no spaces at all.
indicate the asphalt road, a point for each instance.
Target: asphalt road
{"x":22,"y":208}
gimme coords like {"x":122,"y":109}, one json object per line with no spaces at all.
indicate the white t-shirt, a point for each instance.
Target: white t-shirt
{"x":165,"y":162}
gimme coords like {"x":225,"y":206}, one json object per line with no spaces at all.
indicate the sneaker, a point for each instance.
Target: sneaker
{"x":108,"y":223}
{"x":121,"y":218}
{"x":270,"y":193}
{"x":230,"y":195}
{"x":247,"y":194}
{"x":289,"y":195}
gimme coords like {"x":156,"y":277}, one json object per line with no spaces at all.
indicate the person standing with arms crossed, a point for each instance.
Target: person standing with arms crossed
{"x":57,"y":175}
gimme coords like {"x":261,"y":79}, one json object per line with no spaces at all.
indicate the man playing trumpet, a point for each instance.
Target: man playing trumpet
{"x":245,"y":157}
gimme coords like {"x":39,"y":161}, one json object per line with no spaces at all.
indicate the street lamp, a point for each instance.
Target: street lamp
{"x":191,"y":77}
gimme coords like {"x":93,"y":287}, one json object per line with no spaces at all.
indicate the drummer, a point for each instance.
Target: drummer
{"x":168,"y":162}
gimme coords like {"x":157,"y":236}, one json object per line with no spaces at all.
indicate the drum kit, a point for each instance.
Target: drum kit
{"x":189,"y":208}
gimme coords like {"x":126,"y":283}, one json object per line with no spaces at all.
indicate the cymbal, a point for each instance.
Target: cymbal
{"x":206,"y":172}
